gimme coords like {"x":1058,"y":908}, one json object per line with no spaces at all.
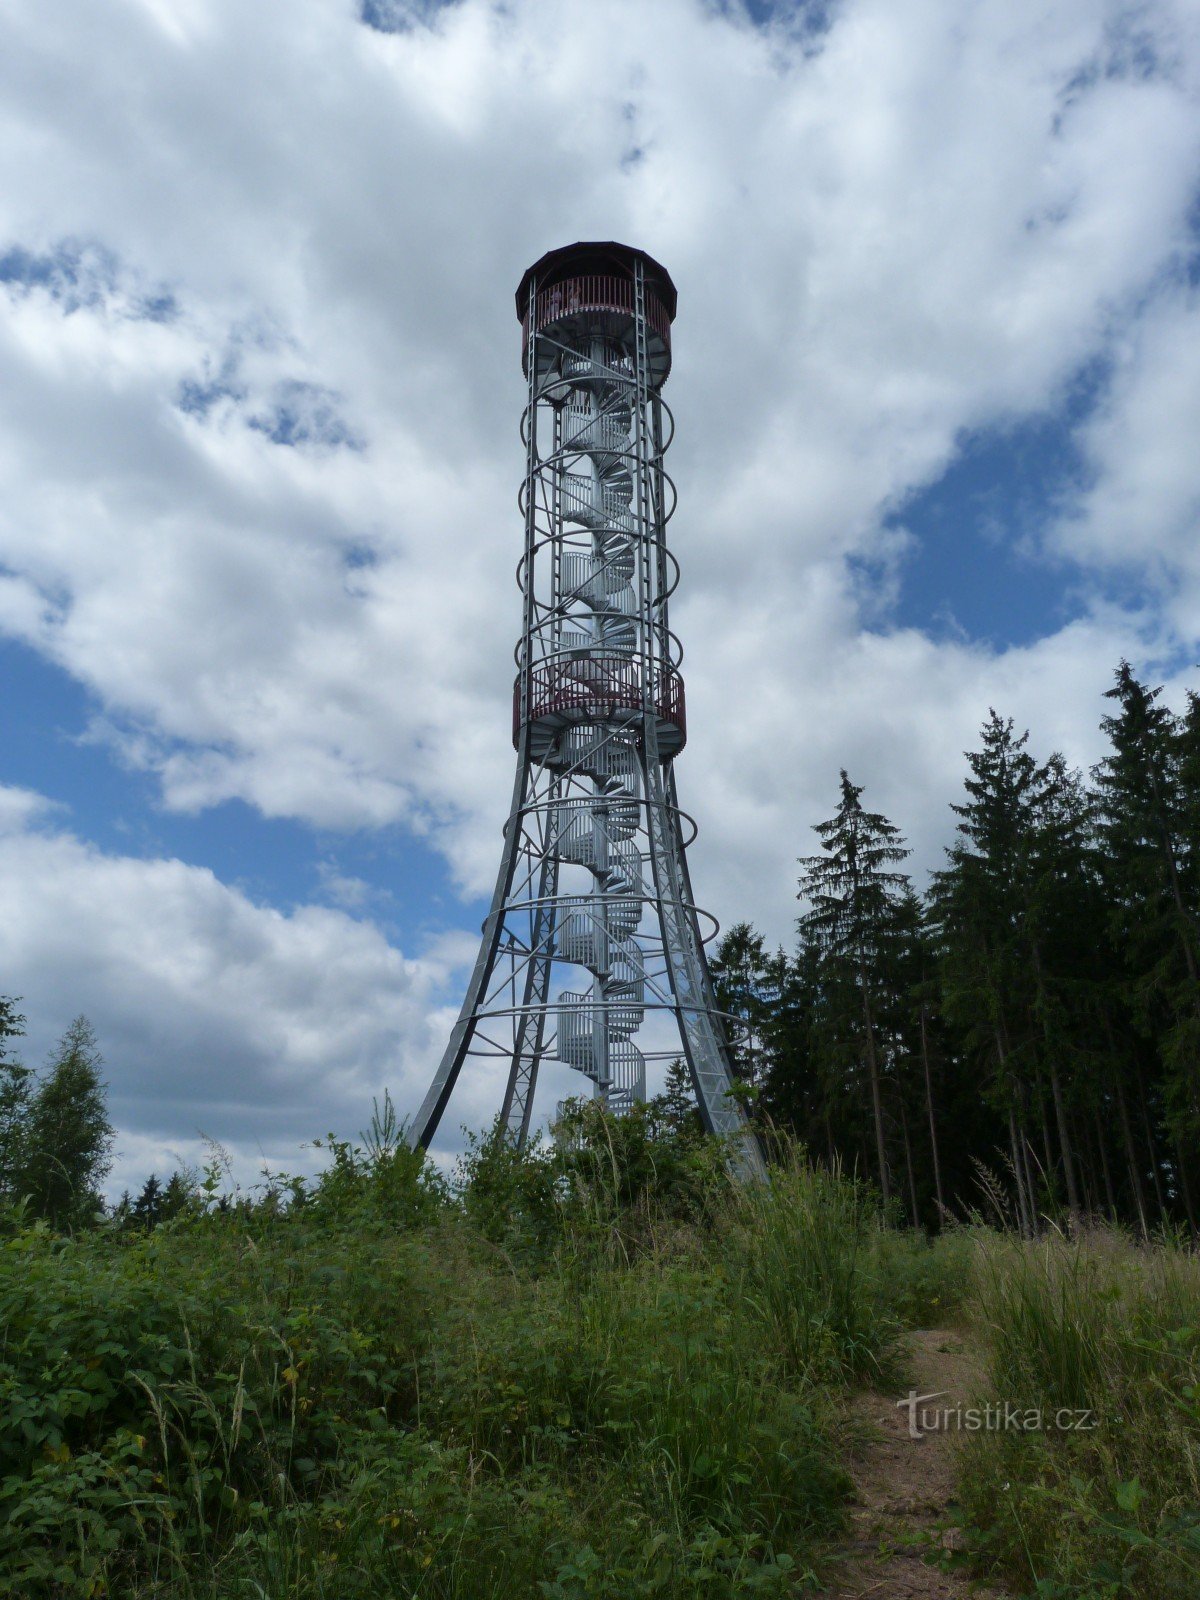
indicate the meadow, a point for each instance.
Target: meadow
{"x":597,"y":1369}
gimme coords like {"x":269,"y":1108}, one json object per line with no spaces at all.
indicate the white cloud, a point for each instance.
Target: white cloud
{"x":1140,"y":514}
{"x":923,"y":222}
{"x":215,"y":1015}
{"x":19,"y":808}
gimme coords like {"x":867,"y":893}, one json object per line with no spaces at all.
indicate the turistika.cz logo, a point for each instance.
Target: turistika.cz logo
{"x":994,"y":1416}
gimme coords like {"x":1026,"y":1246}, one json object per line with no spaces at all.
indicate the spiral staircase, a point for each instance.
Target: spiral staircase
{"x":598,"y":631}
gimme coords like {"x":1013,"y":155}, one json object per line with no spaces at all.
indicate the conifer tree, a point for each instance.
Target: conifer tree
{"x":677,"y":1104}
{"x":1063,"y":928}
{"x":979,"y":903}
{"x":1148,"y":810}
{"x":853,"y":896}
{"x":741,"y":982}
{"x":792,"y":1096}
{"x":146,"y":1210}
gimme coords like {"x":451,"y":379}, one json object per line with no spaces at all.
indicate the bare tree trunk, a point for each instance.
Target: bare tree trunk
{"x":1064,"y":1140}
{"x":1184,"y":1186}
{"x":1148,"y":1130}
{"x":1018,"y":1175}
{"x":1025,"y":1192}
{"x":1105,"y":1170}
{"x":1086,"y":1172}
{"x":1131,"y":1156}
{"x":876,"y":1095}
{"x":1060,"y":1115}
{"x":1049,"y":1164}
{"x":933,"y":1142}
{"x":1026,"y":1150}
{"x":908,"y":1167}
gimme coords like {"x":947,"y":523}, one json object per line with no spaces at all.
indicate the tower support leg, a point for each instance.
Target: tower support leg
{"x":705,"y":1046}
{"x":424,"y":1125}
{"x":531,"y":1028}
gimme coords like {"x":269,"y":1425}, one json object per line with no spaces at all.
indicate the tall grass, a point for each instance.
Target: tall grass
{"x":596,"y":1371}
{"x":1105,"y":1501}
{"x":800,"y":1248}
{"x":603,"y":1378}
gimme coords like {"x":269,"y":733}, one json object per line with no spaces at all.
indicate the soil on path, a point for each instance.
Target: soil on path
{"x":902,"y":1523}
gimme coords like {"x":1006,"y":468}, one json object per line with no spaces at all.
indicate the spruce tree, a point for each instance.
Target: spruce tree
{"x":979,"y":904}
{"x":1064,"y":934}
{"x":146,"y":1210}
{"x":677,"y":1104}
{"x":853,"y":896}
{"x":792,"y":1097}
{"x":1149,"y":810}
{"x":741,"y":982}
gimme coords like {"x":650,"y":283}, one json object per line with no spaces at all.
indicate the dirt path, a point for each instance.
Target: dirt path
{"x":903,"y":1522}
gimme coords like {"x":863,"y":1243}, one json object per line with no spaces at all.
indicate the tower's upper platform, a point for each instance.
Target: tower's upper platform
{"x":590,"y":287}
{"x":603,"y":258}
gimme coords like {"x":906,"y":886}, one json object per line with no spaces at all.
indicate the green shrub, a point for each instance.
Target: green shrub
{"x":924,"y":1282}
{"x":551,"y":1385}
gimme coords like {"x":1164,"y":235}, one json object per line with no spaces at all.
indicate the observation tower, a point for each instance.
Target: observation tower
{"x":593,"y":949}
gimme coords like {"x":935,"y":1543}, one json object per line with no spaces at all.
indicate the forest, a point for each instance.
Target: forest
{"x":1023,"y":1038}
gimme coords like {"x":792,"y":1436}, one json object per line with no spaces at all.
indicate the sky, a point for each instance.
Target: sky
{"x":937,"y":396}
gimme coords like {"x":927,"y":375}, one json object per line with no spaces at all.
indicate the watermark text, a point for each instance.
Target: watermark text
{"x":991,"y":1416}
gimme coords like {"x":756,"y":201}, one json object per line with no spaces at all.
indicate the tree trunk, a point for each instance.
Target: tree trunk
{"x":908,"y":1167}
{"x":1025,"y":1192}
{"x":1026,"y":1150}
{"x":1136,"y":1176}
{"x":1064,"y":1140}
{"x":1086,"y":1172}
{"x":1023,"y":1211}
{"x":1148,"y":1129}
{"x":1184,"y":1186}
{"x":1131,"y":1156}
{"x":1060,"y":1115}
{"x":933,"y":1141}
{"x":1049,"y":1164}
{"x":1105,"y":1170}
{"x":876,"y":1095}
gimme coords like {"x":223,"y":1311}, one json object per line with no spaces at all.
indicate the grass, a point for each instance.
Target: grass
{"x":548,"y":1385}
{"x":596,"y":1372}
{"x":1102,"y":1336}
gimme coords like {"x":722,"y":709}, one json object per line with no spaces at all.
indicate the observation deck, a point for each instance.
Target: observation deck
{"x":599,"y":689}
{"x":590,"y":287}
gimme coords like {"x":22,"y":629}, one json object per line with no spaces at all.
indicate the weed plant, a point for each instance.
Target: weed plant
{"x":573,"y":1373}
{"x":591,"y":1369}
{"x":1102,"y":1335}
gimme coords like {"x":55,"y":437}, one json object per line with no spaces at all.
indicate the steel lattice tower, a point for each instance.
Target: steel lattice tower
{"x":593,"y":882}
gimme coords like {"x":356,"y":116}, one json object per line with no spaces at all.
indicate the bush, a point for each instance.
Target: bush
{"x":379,"y":1388}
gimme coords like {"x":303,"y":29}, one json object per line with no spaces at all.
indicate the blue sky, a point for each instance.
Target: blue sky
{"x":51,"y":746}
{"x":937,"y":399}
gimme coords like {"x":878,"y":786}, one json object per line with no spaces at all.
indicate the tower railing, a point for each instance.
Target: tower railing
{"x":593,"y":292}
{"x":596,"y":688}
